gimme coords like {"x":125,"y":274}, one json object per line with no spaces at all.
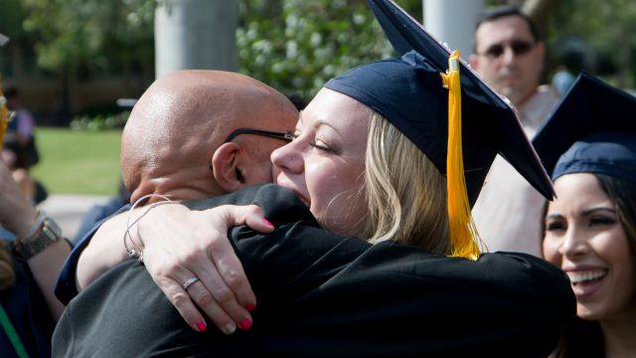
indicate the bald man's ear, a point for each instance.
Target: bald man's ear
{"x":226,"y":167}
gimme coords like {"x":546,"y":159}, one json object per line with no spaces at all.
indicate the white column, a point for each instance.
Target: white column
{"x":453,"y":22}
{"x":195,"y":34}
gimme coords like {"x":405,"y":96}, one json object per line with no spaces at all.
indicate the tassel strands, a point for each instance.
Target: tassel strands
{"x":463,"y":233}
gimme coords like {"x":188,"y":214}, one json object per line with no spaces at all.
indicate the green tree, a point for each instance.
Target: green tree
{"x":102,"y":35}
{"x":297,"y":45}
{"x":607,"y":27}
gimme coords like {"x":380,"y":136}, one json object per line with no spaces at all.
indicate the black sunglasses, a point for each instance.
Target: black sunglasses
{"x":277,"y":135}
{"x":519,"y":47}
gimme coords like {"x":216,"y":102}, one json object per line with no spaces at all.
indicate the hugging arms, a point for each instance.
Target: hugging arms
{"x":315,"y":288}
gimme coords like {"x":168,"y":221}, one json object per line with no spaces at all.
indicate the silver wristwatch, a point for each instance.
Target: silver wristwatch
{"x":42,"y":234}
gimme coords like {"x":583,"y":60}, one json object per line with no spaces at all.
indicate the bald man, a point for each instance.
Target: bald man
{"x":192,"y":135}
{"x":174,"y":141}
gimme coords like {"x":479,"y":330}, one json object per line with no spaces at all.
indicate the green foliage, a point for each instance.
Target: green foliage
{"x":297,"y":45}
{"x":13,"y":13}
{"x":293,"y":45}
{"x":101,"y":34}
{"x":606,"y":27}
{"x":99,"y":122}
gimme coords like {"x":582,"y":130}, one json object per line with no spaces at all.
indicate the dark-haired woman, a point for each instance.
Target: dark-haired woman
{"x":590,"y":230}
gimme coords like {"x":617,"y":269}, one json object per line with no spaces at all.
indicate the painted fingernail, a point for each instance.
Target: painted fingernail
{"x":201,"y":326}
{"x":250,"y":307}
{"x":268,"y":223}
{"x":245,"y":324}
{"x":230,"y":328}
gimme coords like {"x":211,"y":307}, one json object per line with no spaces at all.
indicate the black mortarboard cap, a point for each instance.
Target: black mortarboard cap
{"x":408,"y":91}
{"x":591,"y":130}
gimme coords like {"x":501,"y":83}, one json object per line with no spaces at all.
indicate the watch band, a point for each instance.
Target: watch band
{"x":41,"y":235}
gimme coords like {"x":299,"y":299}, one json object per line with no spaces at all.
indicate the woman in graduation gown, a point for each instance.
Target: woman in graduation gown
{"x":369,"y":158}
{"x":589,"y":146}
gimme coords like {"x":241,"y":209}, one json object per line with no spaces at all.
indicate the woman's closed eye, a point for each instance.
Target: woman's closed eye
{"x":555,"y":226}
{"x":320,"y":145}
{"x":601,"y":221}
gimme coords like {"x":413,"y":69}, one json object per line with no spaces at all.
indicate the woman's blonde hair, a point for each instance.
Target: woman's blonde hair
{"x":7,"y":274}
{"x":405,"y":192}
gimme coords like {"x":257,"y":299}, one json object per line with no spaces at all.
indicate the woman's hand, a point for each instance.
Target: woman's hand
{"x":179,"y":245}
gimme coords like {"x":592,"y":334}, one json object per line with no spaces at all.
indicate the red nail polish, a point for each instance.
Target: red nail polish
{"x":245,"y":324}
{"x":268,"y":223}
{"x":201,"y":326}
{"x":250,"y":307}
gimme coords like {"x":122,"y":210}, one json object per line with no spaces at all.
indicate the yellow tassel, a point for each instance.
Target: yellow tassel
{"x":4,"y":115}
{"x":463,"y":233}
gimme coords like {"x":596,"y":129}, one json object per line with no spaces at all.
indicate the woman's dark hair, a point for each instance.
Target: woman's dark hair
{"x":623,"y":195}
{"x":584,"y":339}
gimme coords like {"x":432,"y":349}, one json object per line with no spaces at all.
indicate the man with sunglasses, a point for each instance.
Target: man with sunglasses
{"x":509,"y":57}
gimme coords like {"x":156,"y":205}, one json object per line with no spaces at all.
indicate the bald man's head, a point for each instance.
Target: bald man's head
{"x":178,"y":124}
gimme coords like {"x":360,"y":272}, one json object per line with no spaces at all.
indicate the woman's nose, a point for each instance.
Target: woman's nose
{"x":288,"y":159}
{"x":574,"y":244}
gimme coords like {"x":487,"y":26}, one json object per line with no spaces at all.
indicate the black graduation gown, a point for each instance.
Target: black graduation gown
{"x":29,"y":314}
{"x":322,"y":295}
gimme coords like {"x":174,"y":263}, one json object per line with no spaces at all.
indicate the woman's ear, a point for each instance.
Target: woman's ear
{"x":225,"y":167}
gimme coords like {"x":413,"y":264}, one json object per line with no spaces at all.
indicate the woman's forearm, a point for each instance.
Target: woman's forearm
{"x":104,"y":251}
{"x":46,"y":267}
{"x":106,"y":248}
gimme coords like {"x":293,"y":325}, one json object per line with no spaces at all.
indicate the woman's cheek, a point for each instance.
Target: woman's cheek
{"x":551,"y":251}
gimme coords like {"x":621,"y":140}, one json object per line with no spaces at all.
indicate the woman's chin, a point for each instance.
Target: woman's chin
{"x":590,"y":311}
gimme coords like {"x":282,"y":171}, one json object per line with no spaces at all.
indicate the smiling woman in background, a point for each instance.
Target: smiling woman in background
{"x":590,"y":231}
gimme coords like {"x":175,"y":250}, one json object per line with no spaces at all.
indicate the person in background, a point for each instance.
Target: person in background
{"x":509,"y":56}
{"x":562,"y":80}
{"x":20,"y":152}
{"x":28,"y":271}
{"x":28,"y":268}
{"x":589,"y":146}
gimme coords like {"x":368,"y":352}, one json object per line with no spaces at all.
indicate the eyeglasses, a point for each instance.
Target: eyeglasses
{"x":277,"y":135}
{"x":519,"y":48}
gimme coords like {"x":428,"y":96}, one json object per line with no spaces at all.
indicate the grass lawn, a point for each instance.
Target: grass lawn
{"x":78,"y":162}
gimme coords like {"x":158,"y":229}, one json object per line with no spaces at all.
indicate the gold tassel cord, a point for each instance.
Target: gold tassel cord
{"x":463,"y":233}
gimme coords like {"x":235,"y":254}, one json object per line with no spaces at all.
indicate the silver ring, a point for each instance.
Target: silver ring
{"x":189,"y":282}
